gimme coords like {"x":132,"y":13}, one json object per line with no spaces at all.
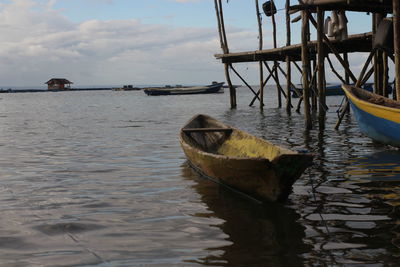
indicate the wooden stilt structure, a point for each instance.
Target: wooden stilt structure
{"x":313,"y":78}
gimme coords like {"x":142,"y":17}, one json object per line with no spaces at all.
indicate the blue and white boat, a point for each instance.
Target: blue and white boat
{"x":378,"y":117}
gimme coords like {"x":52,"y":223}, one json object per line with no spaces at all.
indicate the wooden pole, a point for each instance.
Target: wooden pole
{"x":291,"y":84}
{"x":221,"y":15}
{"x":224,"y":45}
{"x":221,"y":39}
{"x":260,"y":46}
{"x":288,"y":64}
{"x":374,"y":27}
{"x":273,"y":72}
{"x":358,"y":84}
{"x":259,"y":90}
{"x":346,"y":75}
{"x":396,"y":37}
{"x":334,"y":71}
{"x":346,"y":79}
{"x":378,"y":58}
{"x":385,"y":82}
{"x":335,"y":52}
{"x":305,"y":59}
{"x":321,"y":66}
{"x":243,"y":80}
{"x":275,"y":62}
{"x":314,"y":86}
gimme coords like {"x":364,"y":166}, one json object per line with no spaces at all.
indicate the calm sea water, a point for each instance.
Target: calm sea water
{"x":99,"y":179}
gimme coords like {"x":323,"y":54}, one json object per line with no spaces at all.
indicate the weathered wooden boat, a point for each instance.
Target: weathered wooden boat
{"x":378,"y":117}
{"x":244,"y":162}
{"x":208,"y":89}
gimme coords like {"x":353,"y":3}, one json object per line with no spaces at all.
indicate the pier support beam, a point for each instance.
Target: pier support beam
{"x":288,"y":64}
{"x":225,"y":49}
{"x":321,"y":67}
{"x":396,"y":37}
{"x":260,"y":46}
{"x":305,"y":59}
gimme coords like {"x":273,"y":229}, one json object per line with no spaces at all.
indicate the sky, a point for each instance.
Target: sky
{"x":139,"y":42}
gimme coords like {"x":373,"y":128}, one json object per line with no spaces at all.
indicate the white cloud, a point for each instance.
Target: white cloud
{"x":38,"y":42}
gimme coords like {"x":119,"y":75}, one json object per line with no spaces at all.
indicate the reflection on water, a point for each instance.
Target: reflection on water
{"x":99,"y":179}
{"x":257,"y":233}
{"x":379,"y":166}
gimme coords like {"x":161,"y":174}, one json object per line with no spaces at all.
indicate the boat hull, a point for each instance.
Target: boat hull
{"x":332,"y":90}
{"x":257,"y":176}
{"x":380,"y":123}
{"x":210,"y":89}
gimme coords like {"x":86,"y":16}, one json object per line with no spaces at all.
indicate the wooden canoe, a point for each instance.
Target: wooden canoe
{"x":378,"y":117}
{"x":244,"y":162}
{"x":208,"y":89}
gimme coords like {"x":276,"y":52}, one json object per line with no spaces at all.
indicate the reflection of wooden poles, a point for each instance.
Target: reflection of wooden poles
{"x":260,"y":46}
{"x":396,"y":37}
{"x":225,"y":49}
{"x":305,"y":59}
{"x":288,"y":64}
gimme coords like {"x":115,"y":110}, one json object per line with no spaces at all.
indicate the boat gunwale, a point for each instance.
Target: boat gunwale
{"x":221,"y":156}
{"x":357,"y":100}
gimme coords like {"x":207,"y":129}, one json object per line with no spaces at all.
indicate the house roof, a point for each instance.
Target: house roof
{"x":59,"y":81}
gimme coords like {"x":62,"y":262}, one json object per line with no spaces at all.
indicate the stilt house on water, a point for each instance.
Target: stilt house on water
{"x":382,"y":44}
{"x":58,"y":84}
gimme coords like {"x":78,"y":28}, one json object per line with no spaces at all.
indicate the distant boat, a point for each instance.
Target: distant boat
{"x":180,"y":90}
{"x":335,"y":89}
{"x":241,"y":161}
{"x":378,"y":117}
{"x":127,"y":88}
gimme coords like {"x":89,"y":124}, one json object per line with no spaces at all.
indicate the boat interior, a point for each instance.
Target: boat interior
{"x":211,"y":136}
{"x":373,"y":98}
{"x":206,"y":135}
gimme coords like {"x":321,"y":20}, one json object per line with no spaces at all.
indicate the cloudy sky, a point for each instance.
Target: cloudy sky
{"x":116,"y":42}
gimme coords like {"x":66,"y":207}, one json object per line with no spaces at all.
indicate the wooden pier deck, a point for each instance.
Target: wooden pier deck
{"x":354,"y":43}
